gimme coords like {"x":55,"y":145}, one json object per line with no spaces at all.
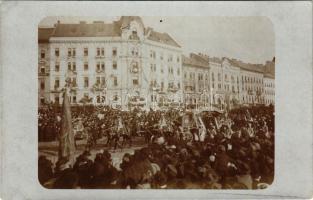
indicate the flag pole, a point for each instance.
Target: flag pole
{"x":66,"y":137}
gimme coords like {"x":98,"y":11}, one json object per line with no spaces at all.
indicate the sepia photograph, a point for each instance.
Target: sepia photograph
{"x":148,"y":102}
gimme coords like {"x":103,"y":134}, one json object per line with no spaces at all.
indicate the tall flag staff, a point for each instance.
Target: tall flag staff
{"x":66,"y":135}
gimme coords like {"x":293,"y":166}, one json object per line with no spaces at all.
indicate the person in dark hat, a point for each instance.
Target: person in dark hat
{"x":83,"y":167}
{"x":125,"y":161}
{"x":224,"y":164}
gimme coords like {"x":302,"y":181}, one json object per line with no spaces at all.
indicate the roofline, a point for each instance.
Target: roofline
{"x":269,"y":76}
{"x":195,"y":65}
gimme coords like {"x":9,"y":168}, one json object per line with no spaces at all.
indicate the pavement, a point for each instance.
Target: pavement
{"x":50,"y":149}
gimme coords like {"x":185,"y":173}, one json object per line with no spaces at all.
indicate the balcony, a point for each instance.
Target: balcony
{"x":99,"y":56}
{"x":173,"y":89}
{"x":189,"y":88}
{"x":100,"y":71}
{"x":97,"y":87}
{"x":155,"y":87}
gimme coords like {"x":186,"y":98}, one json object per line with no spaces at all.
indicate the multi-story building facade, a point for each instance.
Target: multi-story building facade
{"x":230,"y":82}
{"x":123,"y":64}
{"x":269,"y":89}
{"x":269,"y":83}
{"x":44,"y":65}
{"x":251,"y":75}
{"x":196,"y":81}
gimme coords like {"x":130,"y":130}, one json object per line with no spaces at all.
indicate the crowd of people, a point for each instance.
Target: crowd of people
{"x":98,"y":123}
{"x":236,"y":151}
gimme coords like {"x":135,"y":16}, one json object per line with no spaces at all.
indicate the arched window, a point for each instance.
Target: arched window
{"x":134,"y":35}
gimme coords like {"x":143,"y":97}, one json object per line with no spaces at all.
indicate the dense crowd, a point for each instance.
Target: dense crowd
{"x":237,"y":151}
{"x":99,"y":123}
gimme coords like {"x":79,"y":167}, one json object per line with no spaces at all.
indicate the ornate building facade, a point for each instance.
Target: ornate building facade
{"x":226,"y":82}
{"x":123,"y":64}
{"x":126,"y":64}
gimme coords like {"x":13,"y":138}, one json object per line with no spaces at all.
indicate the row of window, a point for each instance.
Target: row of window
{"x":250,"y":88}
{"x":170,"y":57}
{"x":227,"y":88}
{"x":153,"y":68}
{"x":192,"y":76}
{"x":268,"y":101}
{"x":154,"y":83}
{"x":252,"y":99}
{"x":201,"y":77}
{"x":247,"y":79}
{"x":99,"y":80}
{"x":100,"y":66}
{"x":73,"y":98}
{"x":269,"y":85}
{"x":71,"y":52}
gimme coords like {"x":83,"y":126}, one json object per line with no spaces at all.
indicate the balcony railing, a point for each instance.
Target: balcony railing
{"x":97,"y":87}
{"x":172,"y":89}
{"x":99,"y":71}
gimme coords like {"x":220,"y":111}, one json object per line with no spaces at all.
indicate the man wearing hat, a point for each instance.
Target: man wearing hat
{"x":83,"y":167}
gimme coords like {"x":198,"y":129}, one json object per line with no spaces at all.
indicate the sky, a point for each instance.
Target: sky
{"x":250,"y":39}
